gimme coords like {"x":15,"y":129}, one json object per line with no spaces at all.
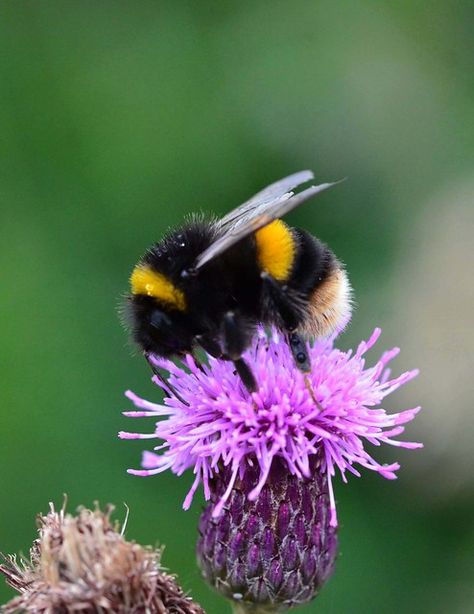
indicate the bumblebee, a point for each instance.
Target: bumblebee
{"x":210,"y":283}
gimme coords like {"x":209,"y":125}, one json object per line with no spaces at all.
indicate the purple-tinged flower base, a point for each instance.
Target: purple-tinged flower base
{"x":272,"y":553}
{"x":332,"y":412}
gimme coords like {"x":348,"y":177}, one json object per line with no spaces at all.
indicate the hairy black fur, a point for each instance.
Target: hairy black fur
{"x":227,"y":298}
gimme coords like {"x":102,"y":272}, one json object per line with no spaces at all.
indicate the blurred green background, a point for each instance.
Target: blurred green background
{"x":117,"y":118}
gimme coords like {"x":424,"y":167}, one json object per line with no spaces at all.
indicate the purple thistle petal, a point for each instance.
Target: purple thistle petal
{"x":222,"y":425}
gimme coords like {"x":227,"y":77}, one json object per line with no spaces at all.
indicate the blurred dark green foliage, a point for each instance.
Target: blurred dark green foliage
{"x":118,"y":118}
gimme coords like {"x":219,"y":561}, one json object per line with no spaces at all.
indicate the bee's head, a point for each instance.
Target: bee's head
{"x":158,"y":330}
{"x":158,"y":315}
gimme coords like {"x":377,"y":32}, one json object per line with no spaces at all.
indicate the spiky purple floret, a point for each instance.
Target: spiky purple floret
{"x":223,"y":425}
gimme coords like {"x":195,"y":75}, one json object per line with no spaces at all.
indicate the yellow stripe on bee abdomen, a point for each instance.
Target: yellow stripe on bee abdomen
{"x":275,"y":249}
{"x":147,"y":282}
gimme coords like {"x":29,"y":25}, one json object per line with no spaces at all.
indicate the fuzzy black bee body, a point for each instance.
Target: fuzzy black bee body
{"x":210,"y":283}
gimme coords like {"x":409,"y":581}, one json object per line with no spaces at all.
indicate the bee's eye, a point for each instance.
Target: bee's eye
{"x":160,"y":320}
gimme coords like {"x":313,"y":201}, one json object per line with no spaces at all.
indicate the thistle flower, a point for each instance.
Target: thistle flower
{"x":267,"y":460}
{"x":84,"y":564}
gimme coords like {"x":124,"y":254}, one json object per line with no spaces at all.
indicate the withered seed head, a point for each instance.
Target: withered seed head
{"x":84,"y":564}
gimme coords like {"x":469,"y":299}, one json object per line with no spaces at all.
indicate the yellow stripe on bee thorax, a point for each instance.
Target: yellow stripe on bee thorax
{"x":147,"y":282}
{"x":276,"y":249}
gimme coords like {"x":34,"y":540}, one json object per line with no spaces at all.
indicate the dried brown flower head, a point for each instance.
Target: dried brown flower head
{"x":83,"y":564}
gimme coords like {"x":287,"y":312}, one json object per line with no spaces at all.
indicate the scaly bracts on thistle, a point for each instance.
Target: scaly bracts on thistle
{"x":274,"y":552}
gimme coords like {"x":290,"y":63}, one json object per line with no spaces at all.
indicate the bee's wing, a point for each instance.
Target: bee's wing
{"x":271,"y":203}
{"x":275,"y":191}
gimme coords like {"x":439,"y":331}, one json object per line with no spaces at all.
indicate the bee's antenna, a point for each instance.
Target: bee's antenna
{"x":165,"y":384}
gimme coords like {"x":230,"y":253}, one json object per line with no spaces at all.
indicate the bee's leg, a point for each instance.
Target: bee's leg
{"x":236,"y":338}
{"x":245,"y":374}
{"x":166,"y":385}
{"x":209,"y":345}
{"x":277,"y":295}
{"x":197,"y":362}
{"x":290,"y":319}
{"x":300,"y":352}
